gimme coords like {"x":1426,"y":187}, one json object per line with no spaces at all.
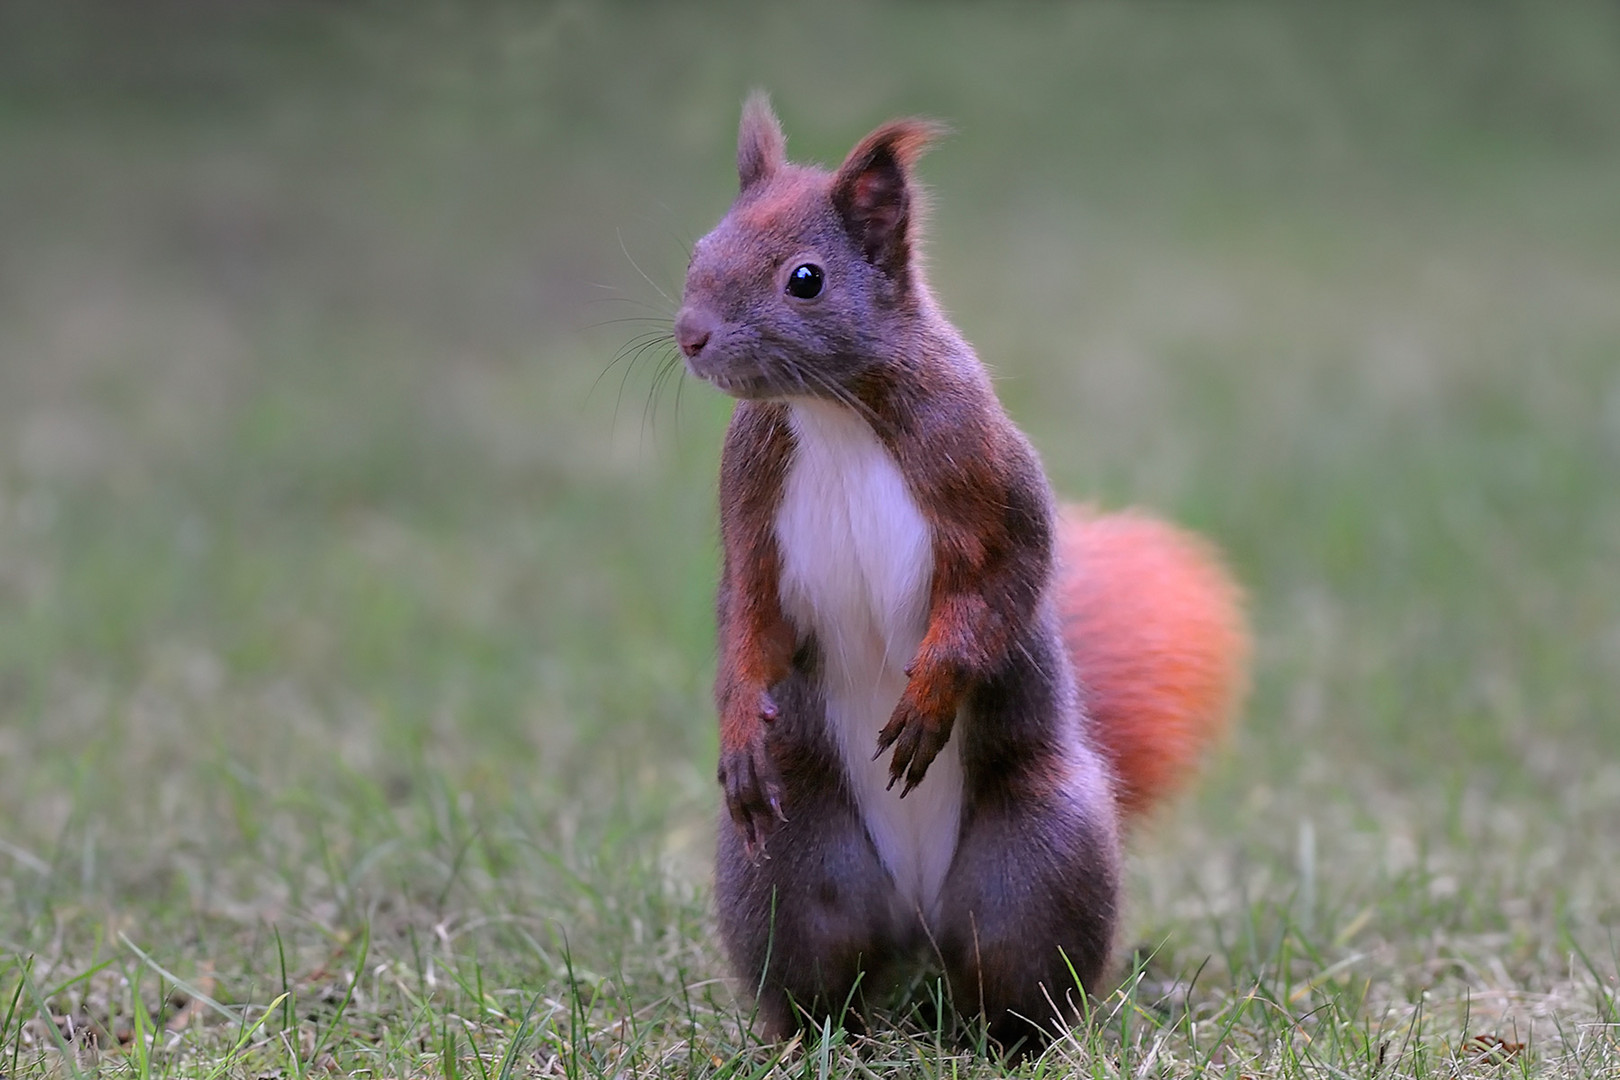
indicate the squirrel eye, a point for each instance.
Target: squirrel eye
{"x":805,"y":281}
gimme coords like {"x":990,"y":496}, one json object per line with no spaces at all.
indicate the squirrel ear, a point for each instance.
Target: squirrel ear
{"x":761,"y":147}
{"x":873,"y":191}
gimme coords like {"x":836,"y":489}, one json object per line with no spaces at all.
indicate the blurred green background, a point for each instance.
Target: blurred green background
{"x":349,"y":587}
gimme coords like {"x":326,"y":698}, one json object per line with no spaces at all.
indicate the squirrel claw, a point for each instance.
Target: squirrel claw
{"x":887,"y":737}
{"x":916,"y":741}
{"x":753,"y":792}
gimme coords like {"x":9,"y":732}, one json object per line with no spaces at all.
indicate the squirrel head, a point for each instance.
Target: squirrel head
{"x":812,"y":278}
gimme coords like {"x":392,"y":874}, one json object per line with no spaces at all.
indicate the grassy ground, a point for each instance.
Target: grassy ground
{"x":355,"y":638}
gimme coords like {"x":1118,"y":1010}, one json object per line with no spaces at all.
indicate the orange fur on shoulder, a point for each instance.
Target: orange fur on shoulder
{"x":1155,"y":626}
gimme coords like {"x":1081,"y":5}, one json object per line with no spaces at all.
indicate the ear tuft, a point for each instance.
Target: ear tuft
{"x":873,"y":191}
{"x":761,"y":147}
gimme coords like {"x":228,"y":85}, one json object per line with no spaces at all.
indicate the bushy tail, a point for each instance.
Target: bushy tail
{"x":1155,"y":625}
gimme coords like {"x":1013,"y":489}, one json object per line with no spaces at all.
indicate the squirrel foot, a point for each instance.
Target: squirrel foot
{"x":917,"y":736}
{"x":751,"y":783}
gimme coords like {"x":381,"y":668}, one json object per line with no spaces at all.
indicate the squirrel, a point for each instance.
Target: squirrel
{"x":942,"y":697}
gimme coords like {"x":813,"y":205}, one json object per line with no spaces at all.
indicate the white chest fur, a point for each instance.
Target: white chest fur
{"x":857,"y":563}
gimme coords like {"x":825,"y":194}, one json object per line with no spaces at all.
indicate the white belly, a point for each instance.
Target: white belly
{"x":857,"y":563}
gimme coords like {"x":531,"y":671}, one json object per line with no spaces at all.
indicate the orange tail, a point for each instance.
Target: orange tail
{"x":1155,"y":625}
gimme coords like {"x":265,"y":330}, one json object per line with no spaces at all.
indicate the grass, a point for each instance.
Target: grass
{"x":354,"y":627}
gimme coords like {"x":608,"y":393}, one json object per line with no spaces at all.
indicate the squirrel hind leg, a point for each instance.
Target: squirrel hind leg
{"x":1155,"y":627}
{"x":809,"y":926}
{"x":1030,"y":912}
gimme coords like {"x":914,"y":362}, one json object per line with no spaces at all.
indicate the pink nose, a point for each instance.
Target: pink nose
{"x":692,"y":331}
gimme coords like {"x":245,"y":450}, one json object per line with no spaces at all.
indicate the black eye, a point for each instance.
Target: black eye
{"x":805,"y":281}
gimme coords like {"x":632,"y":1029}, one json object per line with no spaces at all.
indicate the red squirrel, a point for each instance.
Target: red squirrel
{"x":941,"y":697}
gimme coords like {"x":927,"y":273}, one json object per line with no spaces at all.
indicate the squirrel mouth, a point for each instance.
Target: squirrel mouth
{"x":748,"y":386}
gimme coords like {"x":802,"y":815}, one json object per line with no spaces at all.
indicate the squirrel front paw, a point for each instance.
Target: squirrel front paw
{"x":750,"y":781}
{"x":917,"y":734}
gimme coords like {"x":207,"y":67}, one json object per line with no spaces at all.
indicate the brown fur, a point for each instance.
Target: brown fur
{"x":1050,"y":767}
{"x":758,"y":642}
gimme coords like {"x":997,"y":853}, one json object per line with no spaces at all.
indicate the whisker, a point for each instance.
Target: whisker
{"x":772,"y":383}
{"x":662,"y":311}
{"x":630,"y":347}
{"x":846,"y":397}
{"x":799,"y":376}
{"x":640,"y":340}
{"x":627,"y":319}
{"x":683,"y":238}
{"x":635,"y":357}
{"x":649,"y":410}
{"x":670,"y":365}
{"x":643,"y":273}
{"x":680,"y":384}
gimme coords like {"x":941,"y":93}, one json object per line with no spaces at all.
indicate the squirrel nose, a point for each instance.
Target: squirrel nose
{"x":692,"y":331}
